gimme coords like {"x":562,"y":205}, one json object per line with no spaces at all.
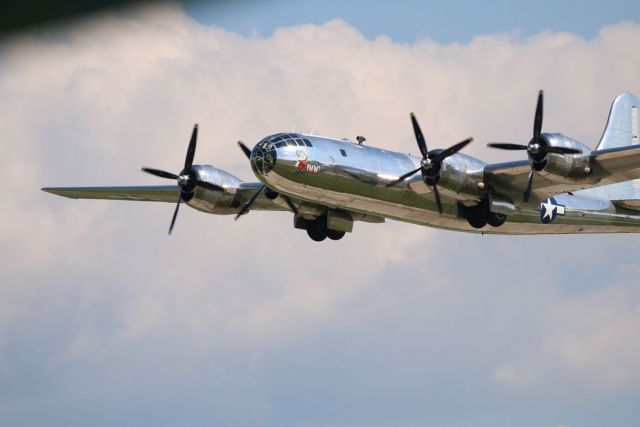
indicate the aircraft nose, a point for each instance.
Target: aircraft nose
{"x":263,"y":157}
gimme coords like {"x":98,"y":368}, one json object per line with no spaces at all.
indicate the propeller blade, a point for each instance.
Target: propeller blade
{"x":290,"y":204}
{"x":452,"y":150}
{"x":537,"y":123}
{"x":245,"y":208}
{"x":506,"y":146}
{"x":403,"y":177}
{"x":245,"y":149}
{"x":422,"y":144}
{"x":438,"y":201}
{"x":161,"y":174}
{"x":527,"y":192}
{"x":209,"y":186}
{"x":559,"y":150}
{"x":175,"y":213}
{"x":191,"y":151}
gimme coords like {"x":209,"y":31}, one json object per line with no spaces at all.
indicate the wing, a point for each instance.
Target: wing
{"x":617,"y":164}
{"x":609,"y":166}
{"x":246,"y":190}
{"x":169,"y":193}
{"x":155,"y":193}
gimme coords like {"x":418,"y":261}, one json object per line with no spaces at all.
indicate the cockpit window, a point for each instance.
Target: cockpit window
{"x":344,"y":153}
{"x":280,"y":140}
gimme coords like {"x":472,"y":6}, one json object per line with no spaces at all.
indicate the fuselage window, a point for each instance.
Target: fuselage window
{"x":307,"y":143}
{"x":281,"y":144}
{"x":290,"y":142}
{"x":344,"y":153}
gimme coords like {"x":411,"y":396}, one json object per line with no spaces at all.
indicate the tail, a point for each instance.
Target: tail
{"x":621,"y":131}
{"x":623,"y":124}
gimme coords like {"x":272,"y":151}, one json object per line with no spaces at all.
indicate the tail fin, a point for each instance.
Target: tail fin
{"x":623,"y":124}
{"x":621,"y":131}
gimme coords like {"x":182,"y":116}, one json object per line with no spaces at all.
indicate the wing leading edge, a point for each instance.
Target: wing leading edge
{"x":154,"y":193}
{"x":168,"y":194}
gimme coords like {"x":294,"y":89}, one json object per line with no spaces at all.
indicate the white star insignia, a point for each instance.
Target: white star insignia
{"x":548,"y":210}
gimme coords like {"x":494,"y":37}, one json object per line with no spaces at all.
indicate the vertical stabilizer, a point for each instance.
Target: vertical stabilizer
{"x":622,"y":130}
{"x":623,"y":124}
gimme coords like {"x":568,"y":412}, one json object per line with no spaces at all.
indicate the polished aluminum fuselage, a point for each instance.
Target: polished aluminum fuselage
{"x":346,"y":176}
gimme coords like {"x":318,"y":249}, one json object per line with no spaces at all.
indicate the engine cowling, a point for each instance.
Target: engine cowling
{"x":461,"y":177}
{"x":212,"y":201}
{"x":562,"y":167}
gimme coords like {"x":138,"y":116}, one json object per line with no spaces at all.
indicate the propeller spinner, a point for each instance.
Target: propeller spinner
{"x":537,"y":147}
{"x":431,"y":161}
{"x":187,"y":179}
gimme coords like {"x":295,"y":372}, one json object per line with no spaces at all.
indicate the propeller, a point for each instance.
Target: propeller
{"x":431,"y":161}
{"x":245,"y":208}
{"x":187,"y":179}
{"x":245,"y":149}
{"x":290,"y":204}
{"x":537,"y":147}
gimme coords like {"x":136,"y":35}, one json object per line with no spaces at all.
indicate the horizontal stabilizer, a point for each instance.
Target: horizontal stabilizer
{"x":155,"y":193}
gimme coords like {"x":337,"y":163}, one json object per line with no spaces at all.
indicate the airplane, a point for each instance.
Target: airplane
{"x":563,"y":187}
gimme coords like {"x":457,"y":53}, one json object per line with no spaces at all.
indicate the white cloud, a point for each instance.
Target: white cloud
{"x":589,"y":343}
{"x":597,"y":336}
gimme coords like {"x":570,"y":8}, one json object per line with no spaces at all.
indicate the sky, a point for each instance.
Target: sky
{"x":105,"y":320}
{"x":445,"y":21}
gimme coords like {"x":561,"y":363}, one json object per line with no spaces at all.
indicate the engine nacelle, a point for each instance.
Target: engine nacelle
{"x":562,"y":167}
{"x":461,"y":176}
{"x":212,"y":201}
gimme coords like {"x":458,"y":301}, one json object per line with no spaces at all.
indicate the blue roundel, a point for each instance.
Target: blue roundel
{"x":549,"y":209}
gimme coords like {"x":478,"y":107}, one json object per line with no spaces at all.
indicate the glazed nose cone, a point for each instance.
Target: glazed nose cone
{"x":263,"y":157}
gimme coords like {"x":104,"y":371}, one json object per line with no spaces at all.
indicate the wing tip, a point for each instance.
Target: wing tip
{"x":57,"y":192}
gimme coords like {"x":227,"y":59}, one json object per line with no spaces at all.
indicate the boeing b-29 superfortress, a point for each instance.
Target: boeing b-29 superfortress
{"x":328,"y":184}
